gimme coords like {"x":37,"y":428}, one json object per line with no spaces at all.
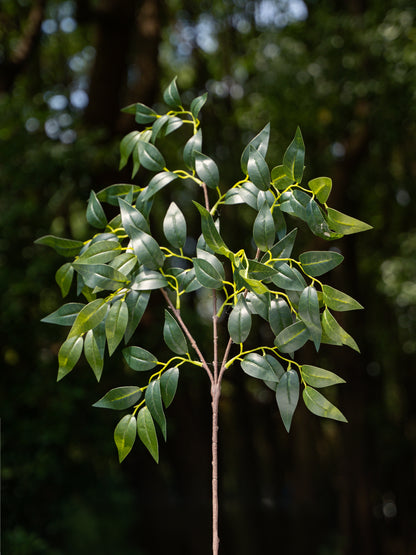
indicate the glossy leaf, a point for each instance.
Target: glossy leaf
{"x":147,"y":250}
{"x":316,"y":221}
{"x":260,"y":367}
{"x":258,"y":304}
{"x":150,"y":157}
{"x":116,"y":324}
{"x":112,"y":193}
{"x":63,"y":278}
{"x":263,"y":229}
{"x":283,"y":249}
{"x":94,"y":345}
{"x":64,"y":247}
{"x":292,"y":338}
{"x":260,"y":143}
{"x":207,"y":170}
{"x":336,"y":333}
{"x":139,"y":359}
{"x":89,"y":317}
{"x":294,"y":158}
{"x":287,"y":396}
{"x":101,"y":275}
{"x":260,"y":271}
{"x":208,"y":275}
{"x":288,"y":278}
{"x":173,"y":335}
{"x":239,"y":321}
{"x":68,"y":355}
{"x":124,"y":263}
{"x":339,"y":301}
{"x":164,"y":126}
{"x":169,"y":385}
{"x":95,"y":213}
{"x":249,"y":194}
{"x":280,"y":316}
{"x":344,"y":224}
{"x":171,"y":95}
{"x":99,"y":252}
{"x":156,"y":184}
{"x":132,"y":219}
{"x":120,"y":398}
{"x":321,"y":187}
{"x":210,"y":232}
{"x":319,"y":405}
{"x":65,"y":315}
{"x":310,"y":315}
{"x":136,"y":302}
{"x":127,"y":145}
{"x":174,"y":226}
{"x":193,"y":146}
{"x":280,"y":179}
{"x":144,"y":114}
{"x":125,"y":435}
{"x":316,"y":263}
{"x":258,"y":170}
{"x":319,"y":377}
{"x":147,"y":280}
{"x":147,"y":432}
{"x":197,"y":104}
{"x":153,"y":397}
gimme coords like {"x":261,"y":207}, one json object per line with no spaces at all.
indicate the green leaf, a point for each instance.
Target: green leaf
{"x":173,"y":335}
{"x":171,"y":95}
{"x":319,"y":405}
{"x":283,"y":249}
{"x":116,"y":324}
{"x":169,"y":385}
{"x":294,"y":158}
{"x":144,"y":114}
{"x":89,"y":317}
{"x":120,"y":398}
{"x":132,"y":219}
{"x":207,"y":170}
{"x":249,"y":193}
{"x":127,"y":145}
{"x":232,"y":196}
{"x":101,"y":275}
{"x":344,"y":224}
{"x":316,"y":221}
{"x":193,"y":146}
{"x":153,"y":397}
{"x":147,"y":432}
{"x":174,"y":226}
{"x":136,"y":302}
{"x":100,"y":252}
{"x":139,"y":359}
{"x":197,"y":104}
{"x":210,"y":232}
{"x":64,"y":247}
{"x":263,"y":229}
{"x":147,"y":250}
{"x":260,"y":143}
{"x":209,"y":271}
{"x":165,"y":125}
{"x":258,"y":304}
{"x":316,"y":263}
{"x":279,"y":222}
{"x":321,"y":187}
{"x":288,"y":278}
{"x":287,"y":396}
{"x":258,"y":170}
{"x":239,"y":321}
{"x":261,"y":367}
{"x":65,"y":315}
{"x":310,"y":315}
{"x":318,"y":377}
{"x":280,"y":179}
{"x":95,"y":213}
{"x":292,"y":338}
{"x":157,"y":183}
{"x":125,"y":435}
{"x":339,"y":301}
{"x":150,"y":157}
{"x":124,"y":263}
{"x":336,"y":333}
{"x":259,"y":271}
{"x":68,"y":355}
{"x":147,"y":280}
{"x":94,"y":345}
{"x":63,"y":278}
{"x":112,"y":193}
{"x":279,"y":315}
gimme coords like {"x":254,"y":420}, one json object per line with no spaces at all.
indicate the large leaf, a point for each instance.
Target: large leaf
{"x":283,"y":249}
{"x":89,"y":317}
{"x":171,"y":95}
{"x":124,"y":262}
{"x":193,"y":146}
{"x":147,"y":250}
{"x":173,"y":335}
{"x":258,"y":170}
{"x":310,"y":315}
{"x":169,"y":385}
{"x":132,"y":219}
{"x":150,"y":157}
{"x":344,"y":224}
{"x":316,"y":221}
{"x":288,"y":278}
{"x":136,"y":302}
{"x":68,"y":355}
{"x":249,"y":194}
{"x":153,"y":397}
{"x":125,"y":435}
{"x":259,"y":271}
{"x":94,"y":346}
{"x":156,"y":184}
{"x":319,"y":405}
{"x":321,"y":187}
{"x":116,"y":324}
{"x":280,"y":179}
{"x":239,"y":321}
{"x":65,"y":315}
{"x":100,"y":252}
{"x":95,"y":213}
{"x":287,"y":396}
{"x":292,"y":338}
{"x":139,"y":359}
{"x":294,"y":157}
{"x":101,"y":275}
{"x":316,"y":263}
{"x":64,"y":247}
{"x":336,"y":333}
{"x":207,"y":170}
{"x":210,"y":232}
{"x":174,"y":226}
{"x":319,"y":377}
{"x":147,"y":280}
{"x":119,"y":398}
{"x":260,"y":143}
{"x":63,"y":278}
{"x":263,"y":229}
{"x":279,"y":316}
{"x":261,"y":367}
{"x":258,"y":304}
{"x":339,"y":301}
{"x":147,"y":432}
{"x":208,"y":275}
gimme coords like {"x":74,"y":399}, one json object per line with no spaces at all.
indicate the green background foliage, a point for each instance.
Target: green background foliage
{"x":344,"y":72}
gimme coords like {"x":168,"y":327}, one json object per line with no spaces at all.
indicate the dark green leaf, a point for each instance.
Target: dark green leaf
{"x":310,"y":315}
{"x":249,"y":193}
{"x":95,"y":213}
{"x":174,"y":226}
{"x":120,"y":398}
{"x":287,"y":396}
{"x":125,"y":435}
{"x":150,"y":157}
{"x":63,"y":278}
{"x":321,"y":187}
{"x":263,"y":229}
{"x":210,"y":232}
{"x":156,"y":184}
{"x":318,"y":377}
{"x":336,"y":333}
{"x":344,"y":224}
{"x":207,"y":275}
{"x":280,"y":316}
{"x":316,"y":263}
{"x":339,"y":301}
{"x":257,"y":270}
{"x":288,"y":278}
{"x":258,"y":170}
{"x":64,"y":247}
{"x":100,"y":252}
{"x":147,"y":432}
{"x":68,"y":355}
{"x":136,"y":302}
{"x":147,"y":250}
{"x":258,"y":304}
{"x":292,"y":338}
{"x":239,"y":321}
{"x":147,"y":280}
{"x":280,"y":179}
{"x":101,"y":275}
{"x":139,"y":359}
{"x":116,"y":324}
{"x":132,"y":219}
{"x":197,"y":104}
{"x":65,"y":315}
{"x":193,"y":145}
{"x":144,"y":114}
{"x":260,"y":367}
{"x":171,"y":95}
{"x":169,"y":385}
{"x":173,"y":335}
{"x":260,"y":143}
{"x":283,"y":249}
{"x":207,"y":170}
{"x":294,"y":158}
{"x":319,"y":405}
{"x":94,"y":345}
{"x":153,"y":397}
{"x":127,"y":145}
{"x":232,"y":196}
{"x":124,"y":262}
{"x":165,"y":125}
{"x":279,"y":222}
{"x":112,"y":193}
{"x":89,"y":317}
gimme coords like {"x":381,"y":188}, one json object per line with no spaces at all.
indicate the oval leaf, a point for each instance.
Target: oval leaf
{"x":89,"y":317}
{"x":258,"y":170}
{"x":139,"y":359}
{"x":260,"y":367}
{"x":318,"y":377}
{"x":287,"y":396}
{"x":310,"y":315}
{"x":119,"y":398}
{"x":207,"y":170}
{"x":153,"y":397}
{"x":316,"y":263}
{"x":339,"y":301}
{"x":65,"y":315}
{"x":95,"y":212}
{"x":173,"y":335}
{"x":239,"y":321}
{"x":263,"y":229}
{"x":174,"y":226}
{"x":169,"y":385}
{"x":319,"y":405}
{"x":292,"y":338}
{"x":125,"y":435}
{"x":116,"y":324}
{"x":68,"y":355}
{"x":147,"y":432}
{"x":150,"y":157}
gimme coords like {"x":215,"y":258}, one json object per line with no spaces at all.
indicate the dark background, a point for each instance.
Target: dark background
{"x":345,"y":71}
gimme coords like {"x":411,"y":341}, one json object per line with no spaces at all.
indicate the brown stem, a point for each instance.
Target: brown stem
{"x":215,"y":395}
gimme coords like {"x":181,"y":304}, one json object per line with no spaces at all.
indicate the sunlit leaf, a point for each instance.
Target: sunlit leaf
{"x":197,"y":104}
{"x":153,"y":397}
{"x":344,"y":224}
{"x":63,"y":278}
{"x":339,"y":301}
{"x":139,"y":359}
{"x":173,"y":335}
{"x":319,"y":405}
{"x":294,"y":158}
{"x":292,"y":338}
{"x":319,"y":377}
{"x":316,"y":263}
{"x":321,"y":187}
{"x":119,"y":398}
{"x":116,"y":324}
{"x":89,"y":317}
{"x":336,"y":333}
{"x":125,"y":435}
{"x":147,"y":432}
{"x":169,"y":385}
{"x":68,"y":355}
{"x":65,"y":315}
{"x":287,"y":396}
{"x":260,"y":143}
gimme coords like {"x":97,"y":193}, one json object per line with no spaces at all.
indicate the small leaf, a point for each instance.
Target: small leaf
{"x":89,"y":317}
{"x":94,"y":345}
{"x":258,"y":304}
{"x":127,"y":145}
{"x":144,"y":114}
{"x":280,"y":179}
{"x":116,"y":324}
{"x":65,"y":315}
{"x":239,"y":321}
{"x":101,"y":275}
{"x":280,"y":316}
{"x":310,"y":315}
{"x":292,"y":338}
{"x":95,"y":213}
{"x":171,"y":95}
{"x":344,"y":224}
{"x":112,"y":193}
{"x":147,"y":280}
{"x":207,"y":170}
{"x":132,"y":219}
{"x":169,"y":385}
{"x":210,"y":232}
{"x":319,"y":405}
{"x":263,"y":229}
{"x":260,"y":367}
{"x":197,"y":104}
{"x":283,"y":249}
{"x":316,"y":221}
{"x":139,"y":359}
{"x":336,"y":333}
{"x":150,"y":157}
{"x":100,"y":252}
{"x":136,"y":302}
{"x":321,"y":187}
{"x":153,"y":397}
{"x":294,"y":158}
{"x":125,"y":435}
{"x":339,"y":301}
{"x":258,"y":170}
{"x":318,"y":377}
{"x":288,"y":278}
{"x":209,"y":271}
{"x":260,"y":143}
{"x":63,"y":278}
{"x":147,"y":250}
{"x":64,"y":247}
{"x":174,"y":226}
{"x":68,"y":355}
{"x":147,"y":432}
{"x":119,"y":398}
{"x":173,"y":335}
{"x":316,"y":263}
{"x":287,"y":396}
{"x":156,"y":184}
{"x":193,"y":146}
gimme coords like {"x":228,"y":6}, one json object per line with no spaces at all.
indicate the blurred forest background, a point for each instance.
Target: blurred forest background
{"x":345,"y":71}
